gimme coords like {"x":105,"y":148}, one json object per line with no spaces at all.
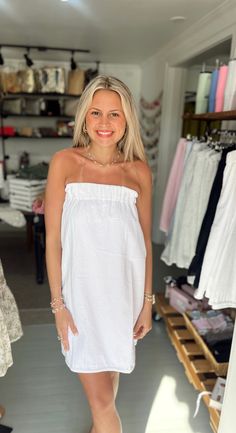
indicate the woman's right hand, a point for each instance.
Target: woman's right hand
{"x":64,"y":320}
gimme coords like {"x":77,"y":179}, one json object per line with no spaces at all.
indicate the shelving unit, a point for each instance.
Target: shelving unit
{"x":205,"y":121}
{"x":33,"y":95}
{"x":47,"y":96}
{"x":5,"y":115}
{"x":200,"y":371}
{"x":26,"y":137}
{"x":222,"y":115}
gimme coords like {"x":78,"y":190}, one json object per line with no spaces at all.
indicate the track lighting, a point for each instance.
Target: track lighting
{"x":28,"y":61}
{"x":1,"y":57}
{"x":73,"y":64}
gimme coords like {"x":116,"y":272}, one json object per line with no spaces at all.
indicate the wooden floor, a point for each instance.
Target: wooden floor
{"x":41,"y":395}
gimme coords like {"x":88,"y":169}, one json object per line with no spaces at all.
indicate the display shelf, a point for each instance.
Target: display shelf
{"x":36,"y":95}
{"x":54,"y":116}
{"x":26,"y":137}
{"x":222,"y":115}
{"x":220,"y":368}
{"x":33,"y":96}
{"x":199,"y":371}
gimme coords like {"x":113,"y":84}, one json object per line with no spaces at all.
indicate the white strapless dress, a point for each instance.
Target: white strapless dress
{"x":103,"y":275}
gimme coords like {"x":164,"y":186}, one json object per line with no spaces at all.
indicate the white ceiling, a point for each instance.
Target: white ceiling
{"x":116,"y":31}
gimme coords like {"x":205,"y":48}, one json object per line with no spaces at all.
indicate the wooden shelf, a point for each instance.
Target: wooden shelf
{"x":198,"y":369}
{"x":36,"y":95}
{"x":192,"y":349}
{"x":54,"y":116}
{"x":183,"y":335}
{"x":25,"y":137}
{"x":223,"y":115}
{"x":176,"y":322}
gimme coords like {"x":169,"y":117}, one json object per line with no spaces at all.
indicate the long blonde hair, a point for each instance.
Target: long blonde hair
{"x":131,"y":143}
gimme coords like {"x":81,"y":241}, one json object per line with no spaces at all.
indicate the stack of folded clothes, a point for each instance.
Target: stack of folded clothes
{"x":216,"y":329}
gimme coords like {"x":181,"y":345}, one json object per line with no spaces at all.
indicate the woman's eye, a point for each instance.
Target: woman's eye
{"x":95,"y":113}
{"x":114,"y":114}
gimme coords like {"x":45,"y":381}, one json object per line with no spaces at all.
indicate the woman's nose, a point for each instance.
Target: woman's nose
{"x":104,"y":120}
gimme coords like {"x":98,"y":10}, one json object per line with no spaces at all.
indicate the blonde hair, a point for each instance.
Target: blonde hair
{"x":131,"y":143}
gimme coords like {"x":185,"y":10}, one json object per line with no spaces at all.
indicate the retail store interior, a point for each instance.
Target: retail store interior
{"x":178,"y":60}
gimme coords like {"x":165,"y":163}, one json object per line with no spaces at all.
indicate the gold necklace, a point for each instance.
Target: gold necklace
{"x":92,"y":157}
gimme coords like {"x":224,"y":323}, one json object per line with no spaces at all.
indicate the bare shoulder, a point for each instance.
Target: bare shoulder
{"x":60,"y":164}
{"x":144,"y":173}
{"x":66,"y":157}
{"x":63,"y":154}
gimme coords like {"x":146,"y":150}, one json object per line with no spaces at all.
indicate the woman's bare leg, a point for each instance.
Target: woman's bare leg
{"x":115,"y":375}
{"x":101,"y":390}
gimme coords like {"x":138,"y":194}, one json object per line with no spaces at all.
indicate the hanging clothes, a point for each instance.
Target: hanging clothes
{"x":203,"y":90}
{"x":220,"y":91}
{"x":10,"y":324}
{"x":213,"y":88}
{"x":196,"y":264}
{"x":173,"y":185}
{"x":230,"y":88}
{"x":191,"y":205}
{"x":218,"y":276}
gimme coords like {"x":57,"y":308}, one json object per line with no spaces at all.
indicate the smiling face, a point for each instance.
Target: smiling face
{"x":105,"y":119}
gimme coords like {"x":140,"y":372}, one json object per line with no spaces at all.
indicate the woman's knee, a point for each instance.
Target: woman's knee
{"x":101,"y":404}
{"x":99,"y":391}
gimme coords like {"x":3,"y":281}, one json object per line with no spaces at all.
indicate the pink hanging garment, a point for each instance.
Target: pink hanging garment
{"x":173,"y":185}
{"x":230,"y":88}
{"x":223,"y":72}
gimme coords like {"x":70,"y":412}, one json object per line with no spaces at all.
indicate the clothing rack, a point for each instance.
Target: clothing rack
{"x":208,"y":118}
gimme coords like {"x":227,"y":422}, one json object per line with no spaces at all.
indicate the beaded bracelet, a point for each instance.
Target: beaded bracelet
{"x":55,"y":310}
{"x":149,"y":297}
{"x":56,"y":300}
{"x":57,"y":304}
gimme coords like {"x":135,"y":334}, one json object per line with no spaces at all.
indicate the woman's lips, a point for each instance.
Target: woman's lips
{"x":102,"y":133}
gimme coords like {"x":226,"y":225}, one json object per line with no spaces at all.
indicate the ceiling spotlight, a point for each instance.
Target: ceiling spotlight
{"x":73,"y":64}
{"x":177,"y":19}
{"x":28,"y":61}
{"x":1,"y":58}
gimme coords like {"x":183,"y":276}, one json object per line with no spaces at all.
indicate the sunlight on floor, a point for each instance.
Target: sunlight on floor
{"x":166,"y":407}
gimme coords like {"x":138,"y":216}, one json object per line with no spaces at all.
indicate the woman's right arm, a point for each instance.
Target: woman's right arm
{"x":54,"y":199}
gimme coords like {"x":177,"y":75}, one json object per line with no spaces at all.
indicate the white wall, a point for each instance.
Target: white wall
{"x":129,"y":74}
{"x":216,"y":27}
{"x":192,"y":79}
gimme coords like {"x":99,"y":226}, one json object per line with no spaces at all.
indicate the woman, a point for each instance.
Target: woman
{"x":98,"y":245}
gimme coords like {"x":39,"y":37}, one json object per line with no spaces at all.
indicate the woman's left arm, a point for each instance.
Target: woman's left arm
{"x":144,"y":206}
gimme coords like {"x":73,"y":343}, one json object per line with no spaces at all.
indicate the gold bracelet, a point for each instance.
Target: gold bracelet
{"x":149,"y":297}
{"x":56,"y":300}
{"x":55,"y":310}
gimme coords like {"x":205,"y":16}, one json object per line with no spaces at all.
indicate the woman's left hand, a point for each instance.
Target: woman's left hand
{"x":144,"y":322}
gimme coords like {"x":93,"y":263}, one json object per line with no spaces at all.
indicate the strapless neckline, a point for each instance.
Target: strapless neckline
{"x":105,"y":185}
